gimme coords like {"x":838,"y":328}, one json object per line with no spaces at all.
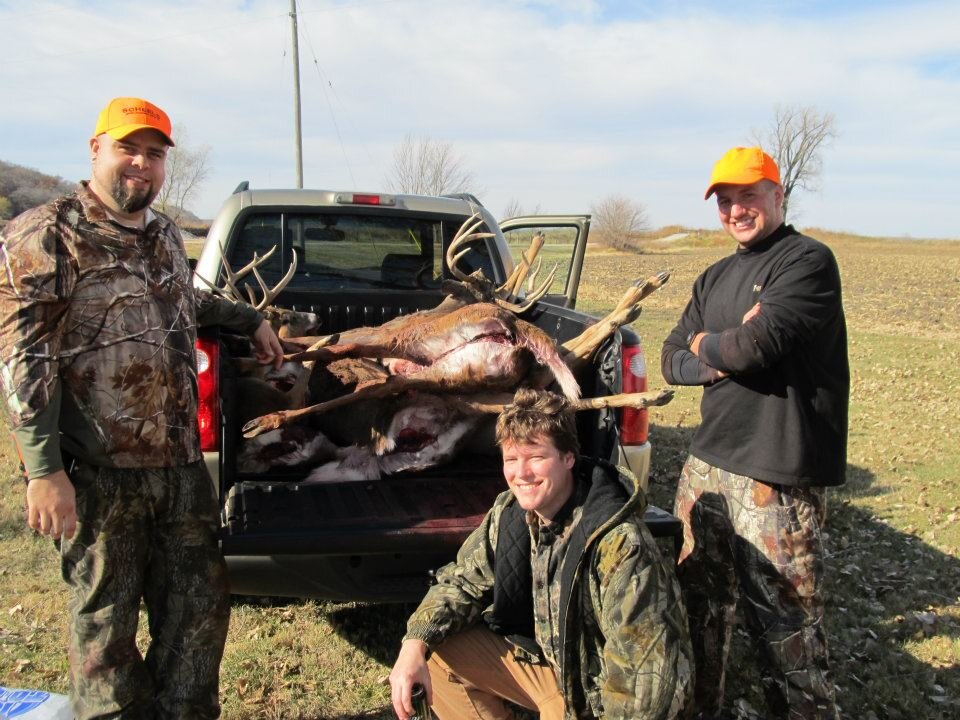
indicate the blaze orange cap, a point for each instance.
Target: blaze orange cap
{"x":743,"y":166}
{"x":124,"y":115}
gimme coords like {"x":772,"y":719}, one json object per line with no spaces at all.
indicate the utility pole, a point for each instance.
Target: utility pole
{"x":296,"y":94}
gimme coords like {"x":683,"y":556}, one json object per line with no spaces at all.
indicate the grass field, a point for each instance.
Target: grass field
{"x":893,"y":537}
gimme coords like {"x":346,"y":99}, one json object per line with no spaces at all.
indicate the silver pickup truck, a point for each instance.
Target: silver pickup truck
{"x":363,"y":259}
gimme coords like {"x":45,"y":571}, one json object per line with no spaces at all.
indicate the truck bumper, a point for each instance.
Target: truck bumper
{"x":637,"y":458}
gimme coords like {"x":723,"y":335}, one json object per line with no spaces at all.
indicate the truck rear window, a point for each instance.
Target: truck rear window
{"x":342,"y":250}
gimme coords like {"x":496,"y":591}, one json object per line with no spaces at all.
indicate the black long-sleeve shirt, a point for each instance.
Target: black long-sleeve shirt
{"x":781,"y":414}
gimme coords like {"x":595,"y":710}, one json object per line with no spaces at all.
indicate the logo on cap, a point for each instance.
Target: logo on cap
{"x":125,"y":115}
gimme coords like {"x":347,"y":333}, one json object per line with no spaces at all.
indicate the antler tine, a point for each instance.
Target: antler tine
{"x":515,"y":281}
{"x":464,"y":235}
{"x":531,"y":298}
{"x":222,"y":292}
{"x":231,"y":277}
{"x":268,"y":293}
{"x":257,"y":261}
{"x":228,"y":276}
{"x":532,"y":278}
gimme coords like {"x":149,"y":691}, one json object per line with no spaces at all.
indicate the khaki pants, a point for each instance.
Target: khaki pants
{"x":474,"y":671}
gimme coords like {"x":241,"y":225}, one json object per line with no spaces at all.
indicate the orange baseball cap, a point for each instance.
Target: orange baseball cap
{"x":743,"y":166}
{"x":124,"y":115}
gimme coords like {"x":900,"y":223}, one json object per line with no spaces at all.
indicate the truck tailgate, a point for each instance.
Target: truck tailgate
{"x":424,"y":511}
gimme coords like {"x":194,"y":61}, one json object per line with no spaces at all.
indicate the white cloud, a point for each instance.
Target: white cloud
{"x":554,"y":104}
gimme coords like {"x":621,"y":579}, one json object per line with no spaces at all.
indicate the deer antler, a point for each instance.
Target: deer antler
{"x":231,"y":278}
{"x":270,"y":293}
{"x":455,"y":252}
{"x":501,"y":294}
{"x":515,"y":281}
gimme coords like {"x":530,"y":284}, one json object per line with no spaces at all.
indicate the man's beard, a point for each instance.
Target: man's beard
{"x":130,"y":201}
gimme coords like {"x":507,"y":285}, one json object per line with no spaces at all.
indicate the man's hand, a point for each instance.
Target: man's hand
{"x":52,"y":505}
{"x":266,"y":345}
{"x":695,"y":343}
{"x":409,"y":669}
{"x":695,"y":349}
{"x":751,"y":313}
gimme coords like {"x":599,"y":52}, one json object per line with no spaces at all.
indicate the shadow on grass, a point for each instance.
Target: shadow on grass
{"x":885,"y":592}
{"x":375,"y":629}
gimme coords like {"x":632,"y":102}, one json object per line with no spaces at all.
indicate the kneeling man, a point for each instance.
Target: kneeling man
{"x":559,"y":601}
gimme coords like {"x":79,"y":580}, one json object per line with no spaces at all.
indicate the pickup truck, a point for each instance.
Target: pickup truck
{"x":363,"y":259}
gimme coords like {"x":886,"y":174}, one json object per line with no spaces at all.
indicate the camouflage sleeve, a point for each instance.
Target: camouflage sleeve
{"x":637,"y":605}
{"x":464,"y":588}
{"x":38,"y":439}
{"x":215,"y":310}
{"x":35,"y":285}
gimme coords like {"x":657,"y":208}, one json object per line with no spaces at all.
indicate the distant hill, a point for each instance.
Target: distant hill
{"x":22,"y":188}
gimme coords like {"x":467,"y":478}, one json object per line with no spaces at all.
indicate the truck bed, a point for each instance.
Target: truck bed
{"x":379,"y":540}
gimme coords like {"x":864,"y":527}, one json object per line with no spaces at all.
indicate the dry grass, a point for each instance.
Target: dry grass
{"x":894,"y":563}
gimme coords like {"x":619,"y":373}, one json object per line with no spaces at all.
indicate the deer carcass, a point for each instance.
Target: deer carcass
{"x":472,"y":342}
{"x":479,"y":347}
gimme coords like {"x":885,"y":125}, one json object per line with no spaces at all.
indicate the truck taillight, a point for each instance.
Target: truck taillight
{"x":208,"y":405}
{"x":634,"y":424}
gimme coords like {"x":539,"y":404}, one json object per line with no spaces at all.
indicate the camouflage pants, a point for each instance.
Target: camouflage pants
{"x":744,"y":538}
{"x":150,"y":534}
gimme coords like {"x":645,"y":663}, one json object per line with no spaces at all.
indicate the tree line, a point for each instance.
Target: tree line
{"x":795,"y":138}
{"x":22,"y":188}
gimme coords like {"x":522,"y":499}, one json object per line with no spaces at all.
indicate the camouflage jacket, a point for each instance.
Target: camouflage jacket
{"x":620,"y":622}
{"x":97,"y":330}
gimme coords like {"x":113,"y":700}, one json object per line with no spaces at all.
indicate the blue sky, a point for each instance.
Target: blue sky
{"x":554,"y":104}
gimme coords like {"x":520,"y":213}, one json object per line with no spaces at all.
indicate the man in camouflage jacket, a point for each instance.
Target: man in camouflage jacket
{"x":559,"y":601}
{"x":98,"y":323}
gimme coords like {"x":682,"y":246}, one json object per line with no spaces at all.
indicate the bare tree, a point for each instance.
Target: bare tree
{"x":423,"y":166}
{"x":187,"y":168}
{"x":513,"y":209}
{"x":617,"y":219}
{"x":794,"y":140}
